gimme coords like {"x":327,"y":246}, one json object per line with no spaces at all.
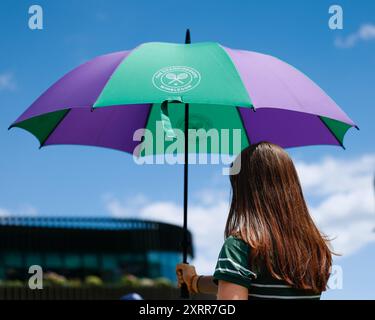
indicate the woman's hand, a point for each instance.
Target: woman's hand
{"x":186,"y":274}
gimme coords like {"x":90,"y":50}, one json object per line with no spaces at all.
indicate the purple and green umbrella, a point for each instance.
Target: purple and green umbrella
{"x":205,"y":85}
{"x":223,"y":87}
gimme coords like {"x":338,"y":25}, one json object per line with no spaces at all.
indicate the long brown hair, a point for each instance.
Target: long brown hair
{"x":268,"y":211}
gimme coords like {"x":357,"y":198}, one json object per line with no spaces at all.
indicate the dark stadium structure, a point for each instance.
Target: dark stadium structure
{"x":77,"y":247}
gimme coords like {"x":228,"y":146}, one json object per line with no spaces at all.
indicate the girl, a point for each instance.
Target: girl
{"x":272,"y":248}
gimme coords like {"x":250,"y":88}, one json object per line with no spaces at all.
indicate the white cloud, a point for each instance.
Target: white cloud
{"x":4,"y":212}
{"x":345,"y":194}
{"x":334,"y":175}
{"x":7,"y":81}
{"x":344,"y":208}
{"x":117,"y":208}
{"x":23,"y":210}
{"x":365,"y":33}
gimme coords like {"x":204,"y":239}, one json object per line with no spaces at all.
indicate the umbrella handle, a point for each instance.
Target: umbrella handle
{"x":184,"y":294}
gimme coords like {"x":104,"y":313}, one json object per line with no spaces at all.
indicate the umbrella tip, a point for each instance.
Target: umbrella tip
{"x":187,"y":36}
{"x":10,"y":127}
{"x":356,"y":127}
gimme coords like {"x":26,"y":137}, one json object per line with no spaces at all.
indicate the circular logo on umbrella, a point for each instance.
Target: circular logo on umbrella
{"x":176,"y":79}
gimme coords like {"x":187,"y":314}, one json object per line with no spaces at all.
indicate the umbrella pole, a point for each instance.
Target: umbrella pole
{"x":185,"y":241}
{"x":185,"y":244}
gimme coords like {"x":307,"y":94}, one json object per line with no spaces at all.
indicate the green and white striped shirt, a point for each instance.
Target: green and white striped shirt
{"x":233,"y":266}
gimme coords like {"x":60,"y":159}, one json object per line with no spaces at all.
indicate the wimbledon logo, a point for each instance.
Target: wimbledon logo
{"x":176,"y":79}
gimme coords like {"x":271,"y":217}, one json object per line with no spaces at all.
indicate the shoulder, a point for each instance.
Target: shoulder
{"x":233,"y":245}
{"x":235,"y":241}
{"x":233,"y":262}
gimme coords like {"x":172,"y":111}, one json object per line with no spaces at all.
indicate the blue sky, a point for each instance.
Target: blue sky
{"x":71,"y":180}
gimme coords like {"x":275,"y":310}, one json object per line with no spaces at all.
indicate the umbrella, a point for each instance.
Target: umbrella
{"x":104,"y":101}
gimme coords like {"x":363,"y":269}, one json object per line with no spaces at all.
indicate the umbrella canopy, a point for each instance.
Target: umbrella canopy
{"x":223,"y":87}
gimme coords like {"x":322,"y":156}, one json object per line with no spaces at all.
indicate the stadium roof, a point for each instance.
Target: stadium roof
{"x":88,"y":233}
{"x":71,"y":222}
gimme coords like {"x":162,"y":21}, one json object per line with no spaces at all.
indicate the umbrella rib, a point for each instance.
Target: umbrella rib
{"x":243,"y":125}
{"x":54,"y":128}
{"x":147,"y":120}
{"x":330,"y":130}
